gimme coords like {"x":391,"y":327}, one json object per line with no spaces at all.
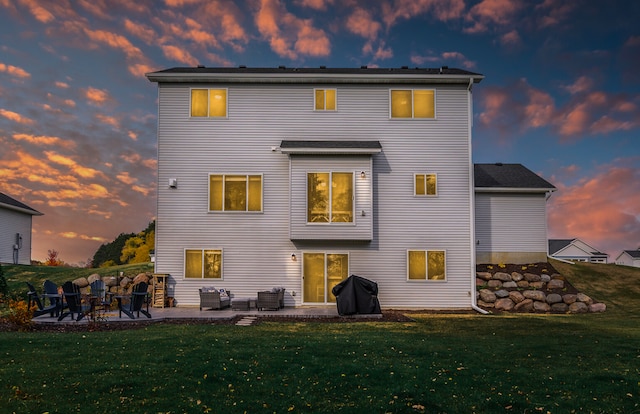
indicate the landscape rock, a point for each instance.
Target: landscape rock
{"x":537,"y":285}
{"x":584,"y":298}
{"x":535,"y":295}
{"x":510,"y":285}
{"x":502,"y":293}
{"x":516,"y":277}
{"x":501,"y":276}
{"x":524,"y":306}
{"x":578,"y":307}
{"x":494,"y":283}
{"x":570,"y":298}
{"x":523,"y":284}
{"x":124,"y":282}
{"x":554,"y":298}
{"x":559,"y":307}
{"x":545,"y":278}
{"x":516,"y":296}
{"x":487,"y":296}
{"x":81,"y":282}
{"x":141,"y":277}
{"x":110,"y":281}
{"x":484,"y":275}
{"x":486,"y":305}
{"x":505,"y":304}
{"x":597,"y":307}
{"x":541,"y":306}
{"x":555,"y":284}
{"x":92,"y":278}
{"x":531,"y":277}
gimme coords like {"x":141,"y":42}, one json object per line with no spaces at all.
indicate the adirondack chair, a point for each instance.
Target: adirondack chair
{"x":34,"y":298}
{"x":55,"y":298}
{"x":98,"y":291}
{"x":136,"y":301}
{"x":73,"y":298}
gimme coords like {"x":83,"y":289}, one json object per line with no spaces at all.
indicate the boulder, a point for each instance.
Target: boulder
{"x":524,"y":306}
{"x":487,"y":305}
{"x":480,"y":282}
{"x":483,"y":275}
{"x":501,"y":293}
{"x":584,"y":298}
{"x":141,"y":277}
{"x":597,"y":307}
{"x":554,"y":298}
{"x":81,"y":282}
{"x":487,"y":296}
{"x":531,"y":277}
{"x":523,"y":284}
{"x":494,"y":283}
{"x":502,"y":276}
{"x":505,"y":304}
{"x":516,"y":296}
{"x":92,"y":278}
{"x":578,"y":307}
{"x":110,"y":281}
{"x":555,"y":284}
{"x":124,"y":282}
{"x":536,"y":285}
{"x":510,"y":285}
{"x":535,"y":295}
{"x":541,"y":306}
{"x":559,"y":307}
{"x":516,"y":277}
{"x":570,"y":298}
{"x":545,"y":278}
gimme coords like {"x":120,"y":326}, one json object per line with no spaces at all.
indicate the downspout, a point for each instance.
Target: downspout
{"x":472,"y":210}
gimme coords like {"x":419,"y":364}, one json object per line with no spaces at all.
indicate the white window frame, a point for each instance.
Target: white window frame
{"x":426,"y":279}
{"x":353,"y":199}
{"x":247,"y":211}
{"x":209,"y":103}
{"x":435,"y":109}
{"x":315,"y":90}
{"x":202,"y":250}
{"x":415,"y":189}
{"x":326,"y":280}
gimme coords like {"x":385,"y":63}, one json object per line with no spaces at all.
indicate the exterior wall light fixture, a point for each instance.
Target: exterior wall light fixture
{"x":362,"y":174}
{"x":293,"y":257}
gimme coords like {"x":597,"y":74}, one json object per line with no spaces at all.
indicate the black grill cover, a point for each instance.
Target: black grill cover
{"x":356,"y":294}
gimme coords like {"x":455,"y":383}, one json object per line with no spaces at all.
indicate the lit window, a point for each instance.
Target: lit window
{"x":203,"y":264}
{"x":209,"y":103}
{"x":409,"y":103}
{"x":425,"y":185}
{"x":322,"y":271}
{"x":235,"y":192}
{"x":330,"y":197}
{"x":426,"y":265}
{"x":325,"y":99}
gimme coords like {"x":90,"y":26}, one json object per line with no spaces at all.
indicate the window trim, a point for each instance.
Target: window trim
{"x":412,"y":90}
{"x":327,"y":291}
{"x":202,"y":250}
{"x":335,"y":95}
{"x":246,"y":211}
{"x":426,"y":279}
{"x":415,"y":188}
{"x":226,"y":116}
{"x":353,"y":199}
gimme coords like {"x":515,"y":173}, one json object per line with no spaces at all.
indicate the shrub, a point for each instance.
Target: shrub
{"x":20,"y":314}
{"x":3,"y":284}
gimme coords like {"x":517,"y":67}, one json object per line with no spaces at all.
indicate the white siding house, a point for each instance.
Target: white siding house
{"x":629,"y":258}
{"x":510,"y":214}
{"x":575,"y":250}
{"x":301,"y":177}
{"x":15,"y":230}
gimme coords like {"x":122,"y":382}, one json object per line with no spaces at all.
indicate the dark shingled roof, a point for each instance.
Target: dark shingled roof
{"x":405,"y":70}
{"x":506,"y":176}
{"x":17,"y":205}
{"x":633,"y":253}
{"x":555,"y":245}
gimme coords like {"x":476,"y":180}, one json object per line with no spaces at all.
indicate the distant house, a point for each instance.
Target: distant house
{"x":15,"y":230}
{"x":300,"y":177}
{"x":575,"y":250}
{"x":629,"y":258}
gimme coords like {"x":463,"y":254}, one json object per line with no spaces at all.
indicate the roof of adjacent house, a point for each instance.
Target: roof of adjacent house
{"x":13,"y":204}
{"x":555,"y":245}
{"x":633,"y":253}
{"x":322,"y":73}
{"x":501,"y":176}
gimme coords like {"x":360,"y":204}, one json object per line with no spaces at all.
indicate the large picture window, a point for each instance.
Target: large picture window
{"x":325,"y":99}
{"x":210,"y":103}
{"x":413,"y":103}
{"x":321,"y":272}
{"x":426,"y":265}
{"x":425,"y":185}
{"x":330,"y":197}
{"x":232,"y":192}
{"x":202,"y":264}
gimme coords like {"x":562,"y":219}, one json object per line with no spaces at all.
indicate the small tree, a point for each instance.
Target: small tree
{"x":52,"y":259}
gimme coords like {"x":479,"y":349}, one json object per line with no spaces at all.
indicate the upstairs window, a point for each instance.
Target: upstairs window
{"x":202,"y":264}
{"x":325,"y":99}
{"x":235,"y":192}
{"x":211,"y":103}
{"x":330,"y":197}
{"x":425,"y":185}
{"x":413,"y":103}
{"x":426,"y":265}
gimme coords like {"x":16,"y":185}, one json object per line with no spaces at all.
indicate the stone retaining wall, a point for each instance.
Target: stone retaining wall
{"x":530,"y":292}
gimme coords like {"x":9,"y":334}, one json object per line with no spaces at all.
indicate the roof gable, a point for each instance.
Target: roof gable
{"x":505,"y":177}
{"x":13,"y":204}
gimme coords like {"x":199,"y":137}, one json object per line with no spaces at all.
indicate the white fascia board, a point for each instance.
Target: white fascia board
{"x":512,"y":190}
{"x":21,"y":210}
{"x":364,"y":151}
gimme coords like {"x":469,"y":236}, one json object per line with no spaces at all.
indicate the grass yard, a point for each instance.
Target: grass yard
{"x":436,"y":364}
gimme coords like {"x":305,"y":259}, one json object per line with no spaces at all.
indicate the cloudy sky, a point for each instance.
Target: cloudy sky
{"x":78,"y":117}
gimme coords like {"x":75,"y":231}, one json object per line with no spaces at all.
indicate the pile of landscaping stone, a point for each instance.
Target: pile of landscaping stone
{"x":530,"y":292}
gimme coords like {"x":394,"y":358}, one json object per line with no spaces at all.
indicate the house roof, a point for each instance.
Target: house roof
{"x":13,"y":204}
{"x":329,"y":147}
{"x":555,"y":245}
{"x":633,"y":253}
{"x":322,"y":74}
{"x":509,"y":177}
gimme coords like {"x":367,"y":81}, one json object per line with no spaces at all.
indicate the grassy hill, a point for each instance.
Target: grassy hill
{"x":17,"y":275}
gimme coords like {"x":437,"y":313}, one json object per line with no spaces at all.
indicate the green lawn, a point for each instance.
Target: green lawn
{"x":436,"y":364}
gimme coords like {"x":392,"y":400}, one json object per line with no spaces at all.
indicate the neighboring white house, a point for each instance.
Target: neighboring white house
{"x":629,"y":258}
{"x":15,"y":230}
{"x":575,"y":250}
{"x":300,"y":177}
{"x":510,"y":214}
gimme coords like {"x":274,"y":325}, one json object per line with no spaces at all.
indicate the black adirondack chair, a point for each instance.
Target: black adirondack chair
{"x":34,"y":298}
{"x":136,"y":301}
{"x":73,"y":299}
{"x":55,"y":298}
{"x":98,"y":291}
